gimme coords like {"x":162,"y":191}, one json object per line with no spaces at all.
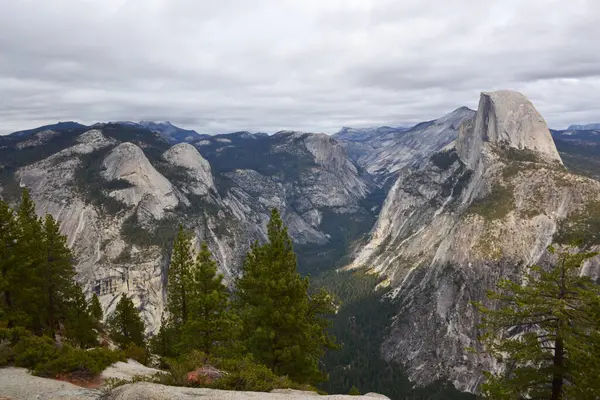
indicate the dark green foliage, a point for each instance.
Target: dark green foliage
{"x":56,"y":273}
{"x":166,"y":341}
{"x":42,"y":356}
{"x":162,"y":234}
{"x":211,"y":326}
{"x":343,"y":230}
{"x":582,"y":226}
{"x":354,"y":391}
{"x":360,"y":325}
{"x":37,"y":286}
{"x":95,"y":309}
{"x":580,"y":157}
{"x":80,"y":324}
{"x":125,"y":325}
{"x":546,"y":332}
{"x":283,"y":327}
{"x":444,"y":159}
{"x":180,"y":279}
{"x":496,"y":205}
{"x":242,"y":374}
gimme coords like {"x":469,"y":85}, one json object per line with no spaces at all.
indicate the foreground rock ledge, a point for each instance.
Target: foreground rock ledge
{"x":17,"y":384}
{"x":153,"y":391}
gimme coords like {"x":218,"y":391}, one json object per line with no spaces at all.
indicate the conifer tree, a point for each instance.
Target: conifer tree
{"x":56,"y":276}
{"x":95,"y":309}
{"x":164,"y":342}
{"x":80,"y":325}
{"x":211,"y":326}
{"x":283,"y":326}
{"x":8,"y":263}
{"x":546,"y":332}
{"x":26,"y":284}
{"x":180,"y":279}
{"x":125,"y":325}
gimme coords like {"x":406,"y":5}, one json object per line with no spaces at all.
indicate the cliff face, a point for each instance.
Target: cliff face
{"x":473,"y":214}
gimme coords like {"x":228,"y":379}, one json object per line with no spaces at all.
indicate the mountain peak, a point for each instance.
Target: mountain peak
{"x":586,"y":127}
{"x":506,"y":117}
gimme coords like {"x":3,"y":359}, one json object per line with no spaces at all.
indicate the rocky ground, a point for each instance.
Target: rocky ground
{"x":18,"y":384}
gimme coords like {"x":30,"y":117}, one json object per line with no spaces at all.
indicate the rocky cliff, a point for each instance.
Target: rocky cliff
{"x":473,"y":213}
{"x":120,"y":191}
{"x":383,"y":152}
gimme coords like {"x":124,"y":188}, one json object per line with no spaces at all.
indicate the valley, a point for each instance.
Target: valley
{"x":405,"y":226}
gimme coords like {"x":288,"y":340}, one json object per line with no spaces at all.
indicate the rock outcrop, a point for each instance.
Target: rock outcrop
{"x":127,"y":162}
{"x":197,"y":168}
{"x":451,"y":228}
{"x":508,"y":118}
{"x":152,"y":391}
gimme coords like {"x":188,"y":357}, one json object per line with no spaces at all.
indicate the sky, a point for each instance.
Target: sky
{"x":309,"y":65}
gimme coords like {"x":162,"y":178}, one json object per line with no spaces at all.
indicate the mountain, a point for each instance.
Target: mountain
{"x":465,"y":217}
{"x":384,"y":151}
{"x":69,"y":125}
{"x":174,"y":133}
{"x":121,"y":190}
{"x":587,"y":127}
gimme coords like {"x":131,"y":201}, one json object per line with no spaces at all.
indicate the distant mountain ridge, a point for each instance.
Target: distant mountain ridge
{"x":586,"y":127}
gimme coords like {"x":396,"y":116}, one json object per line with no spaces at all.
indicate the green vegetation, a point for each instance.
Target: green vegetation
{"x":162,"y":234}
{"x":40,"y":300}
{"x":125,"y":325}
{"x":283,"y":326}
{"x":360,"y":325}
{"x":545,"y":332}
{"x":581,"y":226}
{"x":496,"y":205}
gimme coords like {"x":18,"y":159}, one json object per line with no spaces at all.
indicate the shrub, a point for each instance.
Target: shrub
{"x":79,"y":362}
{"x":495,"y":205}
{"x":35,"y":350}
{"x":139,"y":354}
{"x":241,"y":374}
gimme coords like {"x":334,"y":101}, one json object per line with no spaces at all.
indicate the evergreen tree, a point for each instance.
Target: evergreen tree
{"x":125,"y":325}
{"x":283,"y":326}
{"x":26,"y":283}
{"x":8,"y":263}
{"x":164,"y":343}
{"x":57,"y":278}
{"x":546,"y":333}
{"x":80,"y":325}
{"x":211,"y":326}
{"x":95,"y":309}
{"x":180,"y":279}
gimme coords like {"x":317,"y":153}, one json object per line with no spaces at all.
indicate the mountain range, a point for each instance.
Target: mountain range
{"x":439,"y":212}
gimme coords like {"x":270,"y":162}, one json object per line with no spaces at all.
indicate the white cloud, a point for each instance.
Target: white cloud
{"x":265,"y":65}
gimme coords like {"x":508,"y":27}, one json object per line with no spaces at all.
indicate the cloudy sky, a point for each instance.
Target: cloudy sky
{"x":313,"y":65}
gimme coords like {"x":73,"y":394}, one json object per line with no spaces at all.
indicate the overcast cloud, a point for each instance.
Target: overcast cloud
{"x":313,"y":65}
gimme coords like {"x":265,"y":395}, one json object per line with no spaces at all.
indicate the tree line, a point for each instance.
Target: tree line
{"x":270,"y":317}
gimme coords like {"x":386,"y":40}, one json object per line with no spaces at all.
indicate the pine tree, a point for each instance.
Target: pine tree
{"x":283,"y":326}
{"x":80,"y":325}
{"x":125,"y":325}
{"x":26,"y":283}
{"x":546,"y":332}
{"x":8,"y":264}
{"x":211,"y":326}
{"x":164,"y":343}
{"x":95,"y":310}
{"x":57,"y":277}
{"x":180,"y":279}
